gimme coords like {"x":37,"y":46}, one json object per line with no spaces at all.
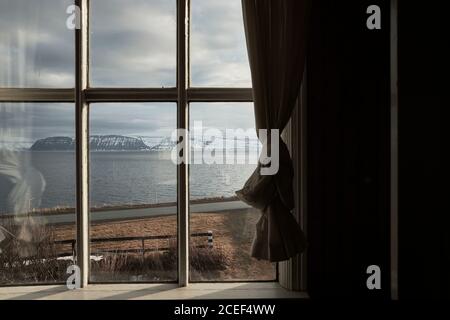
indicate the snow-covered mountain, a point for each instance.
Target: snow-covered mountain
{"x":54,"y":143}
{"x":148,"y":143}
{"x":97,"y":143}
{"x":116,"y":143}
{"x":151,"y":141}
{"x":164,"y":144}
{"x":240,"y":143}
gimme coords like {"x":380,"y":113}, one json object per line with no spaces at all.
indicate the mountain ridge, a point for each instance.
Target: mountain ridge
{"x":96,"y":143}
{"x":144,"y":143}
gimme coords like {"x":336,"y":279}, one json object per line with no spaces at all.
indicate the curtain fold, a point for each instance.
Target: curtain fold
{"x":275,"y":32}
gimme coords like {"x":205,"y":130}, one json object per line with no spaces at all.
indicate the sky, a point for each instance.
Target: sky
{"x":130,"y":46}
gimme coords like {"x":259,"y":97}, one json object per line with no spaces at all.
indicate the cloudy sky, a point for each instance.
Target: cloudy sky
{"x":132,"y":45}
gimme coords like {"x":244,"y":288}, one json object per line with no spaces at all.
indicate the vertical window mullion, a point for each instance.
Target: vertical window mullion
{"x":183,"y":10}
{"x":82,"y":142}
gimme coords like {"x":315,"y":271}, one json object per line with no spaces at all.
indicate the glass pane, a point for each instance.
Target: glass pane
{"x":36,"y":47}
{"x":133,"y":193}
{"x":37,"y":192}
{"x":218,"y":46}
{"x":225,"y":151}
{"x":133,"y":43}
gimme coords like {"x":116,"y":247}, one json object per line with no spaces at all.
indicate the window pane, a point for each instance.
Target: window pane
{"x":218,"y":46}
{"x":133,"y":193}
{"x":223,"y":158}
{"x":133,"y":43}
{"x":37,"y":192}
{"x":36,"y":47}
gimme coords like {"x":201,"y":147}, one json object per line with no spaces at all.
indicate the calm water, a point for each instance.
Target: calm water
{"x":116,"y":178}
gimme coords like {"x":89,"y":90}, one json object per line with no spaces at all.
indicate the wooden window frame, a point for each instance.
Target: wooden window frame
{"x":183,"y":94}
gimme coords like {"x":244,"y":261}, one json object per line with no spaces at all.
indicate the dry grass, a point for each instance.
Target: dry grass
{"x":32,"y":258}
{"x":156,"y":266}
{"x":229,"y":259}
{"x":28,"y":255}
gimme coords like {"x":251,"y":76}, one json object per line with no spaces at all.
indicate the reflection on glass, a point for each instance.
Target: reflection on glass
{"x":133,"y":43}
{"x":37,"y":192}
{"x":133,"y":189}
{"x":36,"y":47}
{"x":218,"y":46}
{"x":225,"y":151}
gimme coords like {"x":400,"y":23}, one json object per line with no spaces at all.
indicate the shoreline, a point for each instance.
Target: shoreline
{"x":68,"y":210}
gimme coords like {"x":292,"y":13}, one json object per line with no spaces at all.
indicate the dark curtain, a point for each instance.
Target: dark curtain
{"x":275,"y":32}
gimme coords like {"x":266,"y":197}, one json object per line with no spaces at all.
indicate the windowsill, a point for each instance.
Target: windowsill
{"x":153,"y":292}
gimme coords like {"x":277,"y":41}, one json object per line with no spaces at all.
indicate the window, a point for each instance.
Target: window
{"x":133,"y":193}
{"x":114,"y":200}
{"x":37,"y":191}
{"x":225,"y":153}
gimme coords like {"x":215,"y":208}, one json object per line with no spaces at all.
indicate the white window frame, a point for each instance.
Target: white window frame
{"x":183,"y":94}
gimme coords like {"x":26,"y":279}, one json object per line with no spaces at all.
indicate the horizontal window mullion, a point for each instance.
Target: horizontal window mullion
{"x":36,"y":95}
{"x":220,"y":95}
{"x":127,"y":95}
{"x":131,"y":95}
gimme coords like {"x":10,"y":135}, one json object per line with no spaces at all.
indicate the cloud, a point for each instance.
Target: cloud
{"x":133,"y":43}
{"x":223,"y":115}
{"x":36,"y":46}
{"x":133,"y":119}
{"x":218,"y":49}
{"x":27,"y":122}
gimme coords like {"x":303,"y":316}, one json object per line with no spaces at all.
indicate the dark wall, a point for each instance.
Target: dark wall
{"x":348,"y":81}
{"x":424,"y":225}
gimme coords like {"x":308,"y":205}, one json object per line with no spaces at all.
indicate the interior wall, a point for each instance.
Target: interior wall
{"x":424,"y":222}
{"x":348,"y":138}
